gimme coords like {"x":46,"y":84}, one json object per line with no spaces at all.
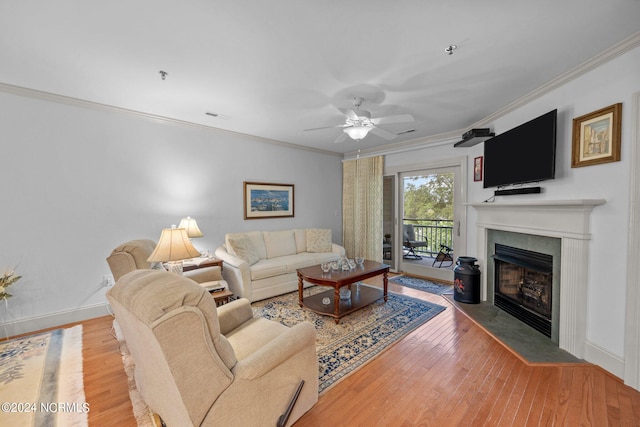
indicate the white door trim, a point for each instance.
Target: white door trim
{"x":632,"y":316}
{"x":460,"y":222}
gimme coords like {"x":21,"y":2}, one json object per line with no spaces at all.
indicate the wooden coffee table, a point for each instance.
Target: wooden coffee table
{"x":337,"y":279}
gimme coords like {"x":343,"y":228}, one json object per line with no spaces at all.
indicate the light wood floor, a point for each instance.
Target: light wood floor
{"x":448,"y":372}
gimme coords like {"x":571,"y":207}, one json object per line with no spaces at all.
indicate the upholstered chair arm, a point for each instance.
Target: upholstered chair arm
{"x":236,"y":272}
{"x":120,"y":264}
{"x":206,"y":274}
{"x":277,"y":351}
{"x":234,"y":314}
{"x":337,"y":249}
{"x":231,"y":260}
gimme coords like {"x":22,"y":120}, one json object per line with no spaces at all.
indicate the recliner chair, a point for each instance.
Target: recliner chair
{"x":132,"y":255}
{"x":196,"y":365}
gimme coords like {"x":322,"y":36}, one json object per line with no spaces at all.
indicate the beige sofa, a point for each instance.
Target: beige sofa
{"x":196,"y":365}
{"x":262,"y":264}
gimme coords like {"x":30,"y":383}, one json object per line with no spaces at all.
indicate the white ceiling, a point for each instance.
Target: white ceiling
{"x":274,"y":68}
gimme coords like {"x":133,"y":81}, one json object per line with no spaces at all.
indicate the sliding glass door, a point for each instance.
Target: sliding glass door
{"x":429,"y":218}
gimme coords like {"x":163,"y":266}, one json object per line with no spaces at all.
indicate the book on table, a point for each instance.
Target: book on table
{"x":212,"y":287}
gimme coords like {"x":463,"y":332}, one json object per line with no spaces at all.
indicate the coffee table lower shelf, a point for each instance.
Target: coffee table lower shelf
{"x":365,"y":296}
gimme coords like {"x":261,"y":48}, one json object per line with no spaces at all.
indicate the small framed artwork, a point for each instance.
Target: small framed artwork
{"x":264,"y":200}
{"x":477,"y":169}
{"x":596,"y":137}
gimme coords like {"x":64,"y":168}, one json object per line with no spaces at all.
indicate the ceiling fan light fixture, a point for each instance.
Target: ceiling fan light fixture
{"x":357,"y":132}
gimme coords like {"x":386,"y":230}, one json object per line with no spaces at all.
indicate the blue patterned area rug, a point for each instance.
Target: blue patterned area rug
{"x":423,"y":284}
{"x":359,"y":337}
{"x":41,"y":381}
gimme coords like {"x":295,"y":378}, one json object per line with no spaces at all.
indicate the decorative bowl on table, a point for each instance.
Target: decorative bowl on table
{"x":345,"y":293}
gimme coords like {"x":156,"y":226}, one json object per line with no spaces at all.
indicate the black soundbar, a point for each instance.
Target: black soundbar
{"x":512,"y":191}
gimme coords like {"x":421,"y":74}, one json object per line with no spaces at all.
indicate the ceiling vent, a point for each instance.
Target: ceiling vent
{"x":474,"y":136}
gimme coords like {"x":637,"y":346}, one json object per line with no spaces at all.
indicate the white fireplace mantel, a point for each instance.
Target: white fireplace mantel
{"x":567,"y":220}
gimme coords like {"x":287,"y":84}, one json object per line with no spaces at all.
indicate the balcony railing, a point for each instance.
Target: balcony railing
{"x":435,"y":231}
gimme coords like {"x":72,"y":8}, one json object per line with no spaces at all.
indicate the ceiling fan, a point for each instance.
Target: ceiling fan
{"x":359,"y":123}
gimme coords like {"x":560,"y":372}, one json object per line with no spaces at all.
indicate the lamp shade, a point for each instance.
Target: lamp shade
{"x":357,"y":132}
{"x":191,"y":226}
{"x":174,"y":245}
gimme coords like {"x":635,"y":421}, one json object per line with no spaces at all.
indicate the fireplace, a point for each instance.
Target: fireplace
{"x":566,"y":220}
{"x":523,"y":285}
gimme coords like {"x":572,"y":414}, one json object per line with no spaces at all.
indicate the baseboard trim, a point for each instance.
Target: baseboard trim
{"x":52,"y":320}
{"x":601,"y":357}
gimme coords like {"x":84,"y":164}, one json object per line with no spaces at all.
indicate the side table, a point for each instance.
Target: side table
{"x":208,"y":263}
{"x":221,"y":297}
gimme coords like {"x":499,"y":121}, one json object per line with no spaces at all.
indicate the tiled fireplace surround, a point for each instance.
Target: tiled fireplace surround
{"x":567,"y":220}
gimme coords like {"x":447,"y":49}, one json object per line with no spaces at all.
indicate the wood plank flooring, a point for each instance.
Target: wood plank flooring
{"x":448,"y":372}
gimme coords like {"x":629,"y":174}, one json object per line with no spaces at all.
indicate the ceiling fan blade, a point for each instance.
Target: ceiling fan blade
{"x":326,"y":127}
{"x":341,"y":138}
{"x":400,"y":118}
{"x":351,"y":114}
{"x":382,"y":133}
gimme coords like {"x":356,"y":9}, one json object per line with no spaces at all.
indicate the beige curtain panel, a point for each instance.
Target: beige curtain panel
{"x":362,"y":207}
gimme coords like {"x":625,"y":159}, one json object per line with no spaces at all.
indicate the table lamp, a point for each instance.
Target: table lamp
{"x":174,"y":246}
{"x":191,"y":226}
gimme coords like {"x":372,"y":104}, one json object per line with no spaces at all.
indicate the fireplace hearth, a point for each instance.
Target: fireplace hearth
{"x":568,"y":221}
{"x":523,"y":285}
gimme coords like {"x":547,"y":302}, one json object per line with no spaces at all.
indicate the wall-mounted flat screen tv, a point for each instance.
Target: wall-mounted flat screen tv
{"x":526,"y":153}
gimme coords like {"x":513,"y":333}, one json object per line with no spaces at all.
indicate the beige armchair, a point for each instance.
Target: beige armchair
{"x":202,"y":366}
{"x":133,"y":255}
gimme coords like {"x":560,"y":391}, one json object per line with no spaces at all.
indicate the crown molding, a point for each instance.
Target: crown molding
{"x":399,"y":147}
{"x":77,"y":102}
{"x":428,"y":142}
{"x":610,"y":54}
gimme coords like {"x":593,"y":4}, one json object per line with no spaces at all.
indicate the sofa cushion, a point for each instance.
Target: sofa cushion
{"x":256,"y":238}
{"x":279,"y":243}
{"x":243,"y":248}
{"x":267,"y":268}
{"x":300,"y":235}
{"x":262,"y":288}
{"x":320,"y":257}
{"x":294,"y":262}
{"x":318,"y":240}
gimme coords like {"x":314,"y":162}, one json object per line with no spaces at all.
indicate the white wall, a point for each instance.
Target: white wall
{"x":613,"y":82}
{"x":76,"y":182}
